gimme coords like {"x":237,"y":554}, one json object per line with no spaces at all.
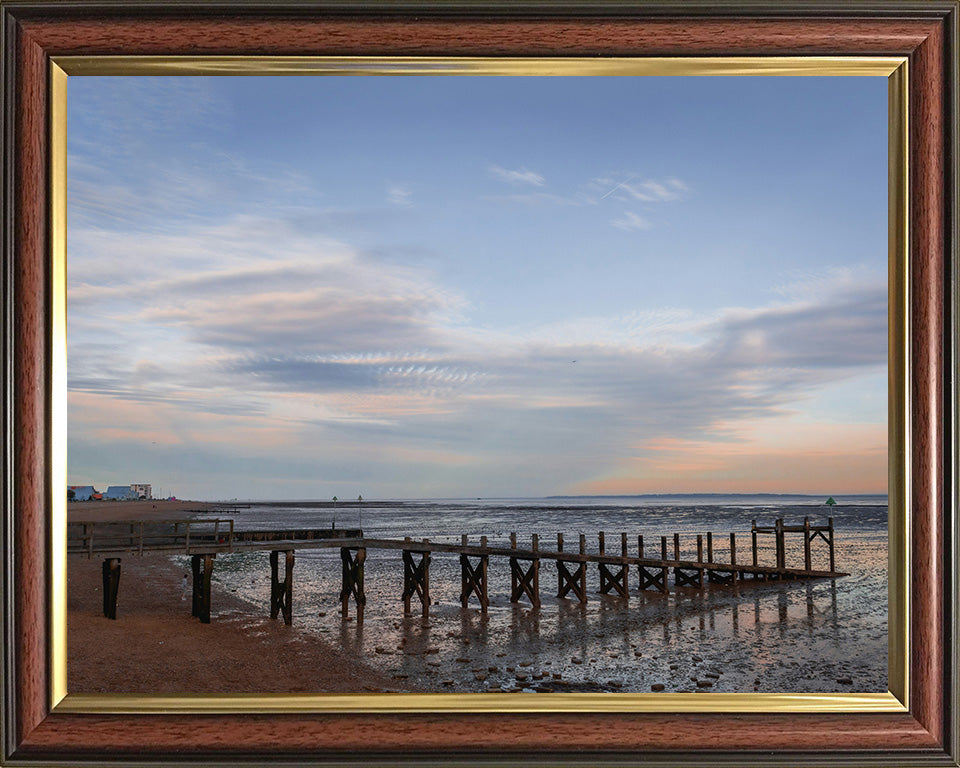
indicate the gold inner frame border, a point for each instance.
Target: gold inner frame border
{"x":894,"y":68}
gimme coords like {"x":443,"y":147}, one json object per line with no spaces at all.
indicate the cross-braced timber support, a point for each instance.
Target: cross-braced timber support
{"x":575,"y":582}
{"x":688,"y":577}
{"x":525,"y":581}
{"x":653,"y":578}
{"x":610,"y":580}
{"x":352,"y":580}
{"x":715,"y":576}
{"x":281,"y":592}
{"x":202,"y":566}
{"x":473,"y":581}
{"x":416,"y":580}
{"x":111,"y":586}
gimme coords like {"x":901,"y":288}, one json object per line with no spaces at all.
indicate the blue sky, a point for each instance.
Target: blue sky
{"x":441,"y":286}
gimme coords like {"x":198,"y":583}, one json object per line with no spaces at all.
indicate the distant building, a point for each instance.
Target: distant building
{"x":81,"y":492}
{"x":143,"y":490}
{"x":120,"y":493}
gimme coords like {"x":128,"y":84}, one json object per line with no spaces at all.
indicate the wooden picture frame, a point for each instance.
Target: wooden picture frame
{"x":34,"y":33}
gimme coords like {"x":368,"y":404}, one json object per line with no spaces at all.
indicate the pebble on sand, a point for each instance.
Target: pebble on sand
{"x":657,"y":687}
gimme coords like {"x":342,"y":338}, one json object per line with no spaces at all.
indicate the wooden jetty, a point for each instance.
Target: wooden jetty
{"x":203,"y":540}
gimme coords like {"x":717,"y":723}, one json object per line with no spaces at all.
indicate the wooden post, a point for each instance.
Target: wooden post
{"x":473,"y":580}
{"x":640,"y":546}
{"x":111,"y":586}
{"x":699,"y":548}
{"x":195,"y":571}
{"x":830,"y":531}
{"x":416,"y":580}
{"x":806,"y":544}
{"x":583,"y":569}
{"x":205,"y":595}
{"x":603,"y":547}
{"x":525,"y":581}
{"x":275,"y":588}
{"x":709,"y":547}
{"x":623,"y":544}
{"x":733,"y":548}
{"x":576,"y":580}
{"x":281,"y":592}
{"x":676,"y":546}
{"x":513,"y":572}
{"x":352,"y":581}
{"x":781,"y":553}
{"x":663,"y":547}
{"x":141,"y":539}
{"x":288,"y":588}
{"x":753,"y":531}
{"x":202,"y":565}
{"x":535,"y":545}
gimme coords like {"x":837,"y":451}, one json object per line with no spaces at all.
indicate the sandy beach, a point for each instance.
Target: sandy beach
{"x":156,"y":646}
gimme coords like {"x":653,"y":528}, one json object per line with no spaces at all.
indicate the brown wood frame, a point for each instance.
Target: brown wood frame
{"x":926,"y":32}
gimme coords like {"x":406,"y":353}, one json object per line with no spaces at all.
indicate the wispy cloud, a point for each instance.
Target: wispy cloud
{"x":351,"y":355}
{"x":625,"y":186}
{"x":400,"y":195}
{"x":519,"y":176}
{"x":630,"y":221}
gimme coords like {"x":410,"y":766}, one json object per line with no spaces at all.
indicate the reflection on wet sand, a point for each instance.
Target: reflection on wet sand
{"x":731,"y":638}
{"x":816,"y":636}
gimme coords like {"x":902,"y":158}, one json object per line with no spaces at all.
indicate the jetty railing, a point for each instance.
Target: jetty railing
{"x":204,"y":539}
{"x":186,"y":536}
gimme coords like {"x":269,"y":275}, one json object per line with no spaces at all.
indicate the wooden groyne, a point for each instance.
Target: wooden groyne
{"x":203,"y":540}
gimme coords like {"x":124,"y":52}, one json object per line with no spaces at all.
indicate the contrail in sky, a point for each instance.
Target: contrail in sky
{"x":618,"y":186}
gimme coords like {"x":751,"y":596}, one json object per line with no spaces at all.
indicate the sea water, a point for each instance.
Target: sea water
{"x":825,"y":635}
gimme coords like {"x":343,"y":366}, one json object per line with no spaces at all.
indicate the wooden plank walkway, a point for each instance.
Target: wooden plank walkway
{"x":203,"y":540}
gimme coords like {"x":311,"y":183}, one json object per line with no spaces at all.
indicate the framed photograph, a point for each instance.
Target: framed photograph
{"x":433,"y":369}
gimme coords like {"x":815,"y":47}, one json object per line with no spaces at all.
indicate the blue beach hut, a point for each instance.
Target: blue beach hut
{"x":120,"y":493}
{"x":81,"y":492}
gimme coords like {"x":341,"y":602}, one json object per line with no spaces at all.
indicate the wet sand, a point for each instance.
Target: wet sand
{"x":147,"y":509}
{"x":765,"y":637}
{"x":156,"y":646}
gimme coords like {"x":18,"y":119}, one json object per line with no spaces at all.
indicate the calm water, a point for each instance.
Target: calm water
{"x":819,"y":636}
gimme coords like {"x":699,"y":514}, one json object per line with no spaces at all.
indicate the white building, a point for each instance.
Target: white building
{"x":142,"y":489}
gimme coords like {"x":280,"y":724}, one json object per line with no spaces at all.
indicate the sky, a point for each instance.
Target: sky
{"x":414,"y":287}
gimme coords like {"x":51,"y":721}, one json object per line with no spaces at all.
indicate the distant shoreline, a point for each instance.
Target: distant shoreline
{"x":782,"y":497}
{"x":144,"y":509}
